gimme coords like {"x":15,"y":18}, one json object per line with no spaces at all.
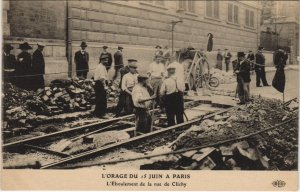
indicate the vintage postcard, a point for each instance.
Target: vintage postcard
{"x":150,"y":95}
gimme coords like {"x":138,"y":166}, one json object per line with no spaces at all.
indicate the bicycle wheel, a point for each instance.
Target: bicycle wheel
{"x":213,"y":82}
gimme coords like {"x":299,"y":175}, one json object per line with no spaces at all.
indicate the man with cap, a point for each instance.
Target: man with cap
{"x":219,"y":60}
{"x":38,"y":67}
{"x":260,"y":68}
{"x":129,"y":80}
{"x":118,"y":56}
{"x":23,"y":68}
{"x":227,"y":57}
{"x":158,"y":51}
{"x":108,"y":65}
{"x":8,"y":62}
{"x":242,"y":71}
{"x":179,"y":71}
{"x":141,"y":101}
{"x":121,"y":103}
{"x":82,"y":61}
{"x":156,"y":72}
{"x":100,"y":78}
{"x":173,"y":97}
{"x":251,"y":58}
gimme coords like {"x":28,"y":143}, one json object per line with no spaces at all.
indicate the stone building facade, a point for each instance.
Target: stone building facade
{"x":285,"y":22}
{"x":136,"y":25}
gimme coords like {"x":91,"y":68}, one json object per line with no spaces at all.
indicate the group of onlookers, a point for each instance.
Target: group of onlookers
{"x":25,"y":71}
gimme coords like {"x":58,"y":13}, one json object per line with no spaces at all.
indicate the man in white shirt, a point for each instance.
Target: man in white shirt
{"x":141,"y":101}
{"x":173,"y":97}
{"x":156,"y":72}
{"x":129,"y":80}
{"x":100,"y":78}
{"x":179,"y":71}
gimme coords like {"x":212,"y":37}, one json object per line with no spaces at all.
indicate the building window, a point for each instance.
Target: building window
{"x":155,"y":2}
{"x":212,"y":9}
{"x":233,"y":13}
{"x":249,"y":18}
{"x":187,"y":5}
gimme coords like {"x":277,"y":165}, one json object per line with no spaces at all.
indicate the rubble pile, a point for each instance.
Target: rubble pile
{"x":223,"y":76}
{"x":276,"y":147}
{"x":68,"y":95}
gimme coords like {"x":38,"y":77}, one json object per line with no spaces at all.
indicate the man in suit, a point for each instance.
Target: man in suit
{"x":9,"y":63}
{"x":227,"y":57}
{"x":260,"y":68}
{"x":118,"y":56}
{"x":242,"y":70}
{"x":251,"y":58}
{"x":109,"y":56}
{"x":38,"y":67}
{"x":23,"y":68}
{"x":219,"y":60}
{"x":82,"y":61}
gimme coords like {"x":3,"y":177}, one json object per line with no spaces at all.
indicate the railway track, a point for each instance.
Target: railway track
{"x":40,"y":144}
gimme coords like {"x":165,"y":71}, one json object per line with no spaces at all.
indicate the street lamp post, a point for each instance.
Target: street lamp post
{"x":173,"y":26}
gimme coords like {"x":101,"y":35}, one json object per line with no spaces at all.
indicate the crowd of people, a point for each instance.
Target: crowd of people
{"x":163,"y":85}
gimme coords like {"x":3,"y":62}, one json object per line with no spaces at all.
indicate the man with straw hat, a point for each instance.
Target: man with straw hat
{"x":100,"y":78}
{"x":141,"y":101}
{"x":82,"y":61}
{"x":8,"y":62}
{"x":173,"y":97}
{"x":38,"y":66}
{"x":23,"y":68}
{"x":129,"y":80}
{"x":156,"y":72}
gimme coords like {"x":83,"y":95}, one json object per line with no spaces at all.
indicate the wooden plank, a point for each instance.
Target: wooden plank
{"x":79,"y":129}
{"x":134,"y":139}
{"x":60,"y":154}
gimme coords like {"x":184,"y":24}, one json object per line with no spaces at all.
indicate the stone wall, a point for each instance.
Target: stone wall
{"x":39,"y":21}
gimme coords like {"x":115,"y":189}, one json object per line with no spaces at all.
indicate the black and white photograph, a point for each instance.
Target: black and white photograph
{"x":150,"y":85}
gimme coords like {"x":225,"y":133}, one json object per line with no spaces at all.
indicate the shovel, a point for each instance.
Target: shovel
{"x":64,"y":143}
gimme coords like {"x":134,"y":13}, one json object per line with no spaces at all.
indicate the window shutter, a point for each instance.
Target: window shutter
{"x":209,"y":8}
{"x":230,"y":19}
{"x":251,"y":18}
{"x":236,"y":14}
{"x":216,"y":9}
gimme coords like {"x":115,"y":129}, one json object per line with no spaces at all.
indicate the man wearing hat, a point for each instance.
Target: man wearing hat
{"x":251,"y":58}
{"x":227,"y":57}
{"x":156,"y":72}
{"x":108,"y":65}
{"x":219,"y":60}
{"x":23,"y":68}
{"x":158,"y":51}
{"x":141,"y":101}
{"x":100,"y":78}
{"x":260,"y":68}
{"x":129,"y":80}
{"x":118,"y":56}
{"x":9,"y":63}
{"x":82,"y":61}
{"x":173,"y":97}
{"x":242,"y":71}
{"x":38,"y":67}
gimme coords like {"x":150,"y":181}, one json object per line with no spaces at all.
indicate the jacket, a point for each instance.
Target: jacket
{"x":82,"y":60}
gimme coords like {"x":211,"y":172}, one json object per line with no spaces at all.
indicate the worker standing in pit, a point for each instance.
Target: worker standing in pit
{"x":142,"y":100}
{"x":100,"y":78}
{"x":129,"y":80}
{"x":156,"y":72}
{"x":172,"y":92}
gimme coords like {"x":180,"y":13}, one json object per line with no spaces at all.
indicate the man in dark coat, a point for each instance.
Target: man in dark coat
{"x":23,"y":78}
{"x":243,"y":78}
{"x":251,"y":58}
{"x":9,"y":63}
{"x":38,"y":67}
{"x":260,"y":68}
{"x":118,"y":56}
{"x":227,"y":57}
{"x":82,"y":61}
{"x":109,"y":56}
{"x":219,"y":60}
